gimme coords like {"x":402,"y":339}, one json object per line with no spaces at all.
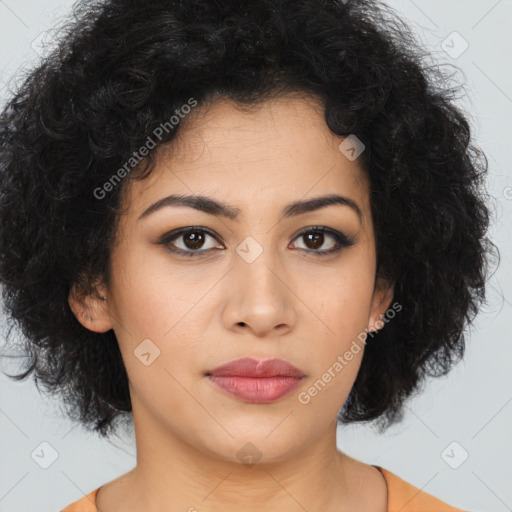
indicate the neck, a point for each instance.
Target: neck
{"x":172,"y":474}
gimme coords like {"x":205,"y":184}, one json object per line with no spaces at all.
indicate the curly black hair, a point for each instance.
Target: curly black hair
{"x":121,"y":68}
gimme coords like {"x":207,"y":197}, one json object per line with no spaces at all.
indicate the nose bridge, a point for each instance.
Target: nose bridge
{"x":256,"y":266}
{"x":260,"y":297}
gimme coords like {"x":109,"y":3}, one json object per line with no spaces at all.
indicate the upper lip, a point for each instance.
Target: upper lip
{"x":248,"y":367}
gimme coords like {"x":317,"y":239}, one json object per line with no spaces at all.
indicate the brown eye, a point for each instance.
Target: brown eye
{"x":193,"y":240}
{"x":314,"y":238}
{"x":190,"y":241}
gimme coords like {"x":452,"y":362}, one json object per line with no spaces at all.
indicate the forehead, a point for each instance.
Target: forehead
{"x":274,"y":152}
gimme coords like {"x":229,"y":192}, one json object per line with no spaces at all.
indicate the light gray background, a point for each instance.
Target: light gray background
{"x":472,"y":406}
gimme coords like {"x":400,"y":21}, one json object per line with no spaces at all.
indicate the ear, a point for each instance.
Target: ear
{"x":382,"y":297}
{"x":91,"y":310}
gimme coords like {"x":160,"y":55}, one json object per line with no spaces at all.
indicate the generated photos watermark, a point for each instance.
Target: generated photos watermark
{"x":139,"y":155}
{"x":304,"y":397}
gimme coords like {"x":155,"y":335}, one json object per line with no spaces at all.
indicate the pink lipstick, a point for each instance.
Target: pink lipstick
{"x":257,"y":381}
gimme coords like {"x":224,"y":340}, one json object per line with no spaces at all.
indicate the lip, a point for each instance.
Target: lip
{"x":249,"y":367}
{"x":256,"y":381}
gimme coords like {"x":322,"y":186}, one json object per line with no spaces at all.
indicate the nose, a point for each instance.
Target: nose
{"x":259,"y":297}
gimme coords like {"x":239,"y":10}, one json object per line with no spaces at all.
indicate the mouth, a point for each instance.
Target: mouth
{"x":256,"y":381}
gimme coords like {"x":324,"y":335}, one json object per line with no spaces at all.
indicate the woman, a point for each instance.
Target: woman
{"x":238,"y":224}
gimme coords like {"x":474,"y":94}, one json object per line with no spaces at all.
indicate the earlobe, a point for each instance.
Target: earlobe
{"x":91,"y":310}
{"x":382,"y":297}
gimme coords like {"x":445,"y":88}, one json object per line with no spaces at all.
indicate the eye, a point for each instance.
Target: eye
{"x":190,"y":241}
{"x":316,"y":236}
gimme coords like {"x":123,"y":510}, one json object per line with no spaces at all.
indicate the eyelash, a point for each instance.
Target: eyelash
{"x":342,"y":240}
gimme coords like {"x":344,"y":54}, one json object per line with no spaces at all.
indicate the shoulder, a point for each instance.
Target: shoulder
{"x":85,"y":504}
{"x":405,"y":497}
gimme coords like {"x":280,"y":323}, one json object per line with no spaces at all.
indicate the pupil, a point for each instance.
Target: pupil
{"x":194,"y":240}
{"x":316,"y":237}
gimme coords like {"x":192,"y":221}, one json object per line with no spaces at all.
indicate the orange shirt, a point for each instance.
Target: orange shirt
{"x":402,"y":497}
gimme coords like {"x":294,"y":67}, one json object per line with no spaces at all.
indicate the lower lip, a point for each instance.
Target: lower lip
{"x":259,"y":390}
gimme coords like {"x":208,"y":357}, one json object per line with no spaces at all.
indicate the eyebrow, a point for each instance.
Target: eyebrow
{"x":213,"y":207}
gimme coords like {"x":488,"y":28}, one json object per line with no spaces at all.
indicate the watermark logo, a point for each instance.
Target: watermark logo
{"x":249,"y":454}
{"x":454,"y":455}
{"x":454,"y":45}
{"x":146,"y":352}
{"x":44,"y":455}
{"x":351,"y":147}
{"x":249,"y":249}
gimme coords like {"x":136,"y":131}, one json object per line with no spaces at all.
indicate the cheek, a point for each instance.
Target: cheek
{"x":158,"y":327}
{"x":160,"y":343}
{"x":337,"y":355}
{"x":341,"y":298}
{"x":153,"y":296}
{"x":342,"y":303}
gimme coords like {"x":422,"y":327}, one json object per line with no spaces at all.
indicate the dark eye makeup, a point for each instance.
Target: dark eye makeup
{"x":193,"y":239}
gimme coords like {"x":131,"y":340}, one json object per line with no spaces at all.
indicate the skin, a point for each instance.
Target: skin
{"x":204,"y":311}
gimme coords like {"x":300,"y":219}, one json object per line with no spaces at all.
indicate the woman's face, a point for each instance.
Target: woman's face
{"x":191,"y":290}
